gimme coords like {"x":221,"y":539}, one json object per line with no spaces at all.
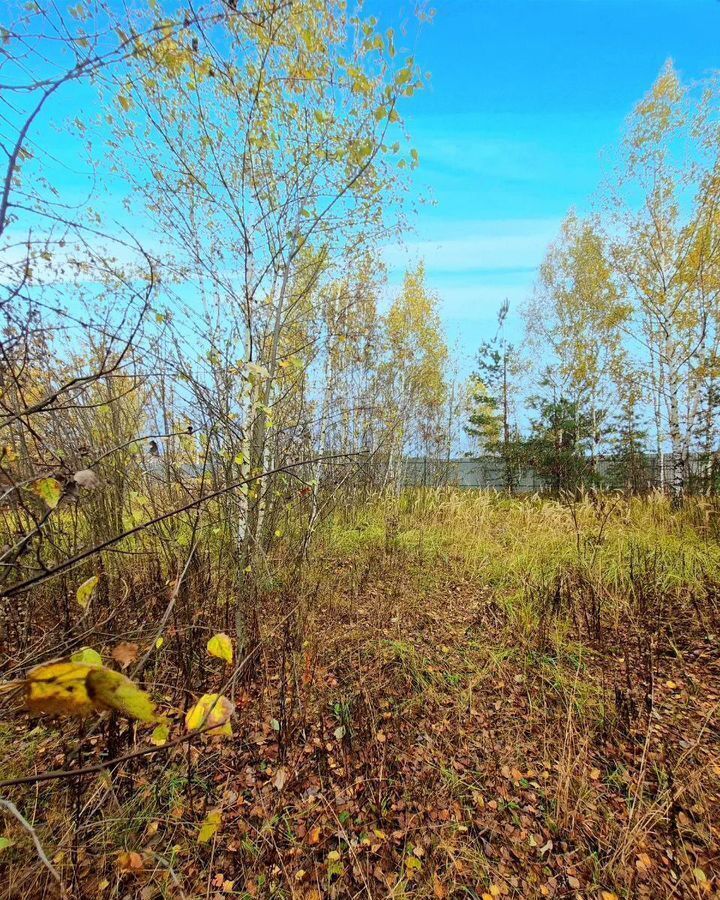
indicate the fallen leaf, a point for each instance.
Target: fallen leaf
{"x":210,"y":826}
{"x":125,"y":653}
{"x":87,"y":655}
{"x":160,"y":735}
{"x":130,"y":861}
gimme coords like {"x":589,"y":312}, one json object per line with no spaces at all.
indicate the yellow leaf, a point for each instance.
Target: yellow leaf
{"x":49,"y":490}
{"x":211,"y":709}
{"x":209,"y":827}
{"x":77,"y":689}
{"x":87,"y":655}
{"x":86,"y":590}
{"x":112,"y":690}
{"x":59,"y":689}
{"x":608,"y":895}
{"x":220,"y":646}
{"x":159,"y":642}
{"x":125,"y":102}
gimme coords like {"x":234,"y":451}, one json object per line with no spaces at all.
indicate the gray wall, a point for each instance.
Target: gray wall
{"x":487,"y":472}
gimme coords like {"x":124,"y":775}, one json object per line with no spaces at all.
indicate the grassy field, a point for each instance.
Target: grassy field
{"x":465,"y":695}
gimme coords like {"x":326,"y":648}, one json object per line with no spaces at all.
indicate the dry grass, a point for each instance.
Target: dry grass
{"x":492,"y":696}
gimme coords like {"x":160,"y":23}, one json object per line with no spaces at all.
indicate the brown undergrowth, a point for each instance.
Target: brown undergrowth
{"x":433,"y":731}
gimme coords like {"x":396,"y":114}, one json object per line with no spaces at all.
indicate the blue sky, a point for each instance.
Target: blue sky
{"x":519,"y":123}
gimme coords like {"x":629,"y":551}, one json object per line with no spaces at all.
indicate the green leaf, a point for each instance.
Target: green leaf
{"x":220,"y":646}
{"x":5,"y":843}
{"x":87,"y":655}
{"x":160,"y":735}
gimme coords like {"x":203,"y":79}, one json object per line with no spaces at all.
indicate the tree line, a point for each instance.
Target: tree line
{"x":624,"y":317}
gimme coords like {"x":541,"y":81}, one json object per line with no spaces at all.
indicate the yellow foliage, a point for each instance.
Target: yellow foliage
{"x":160,"y":735}
{"x":78,"y":689}
{"x":220,"y":646}
{"x":211,"y":709}
{"x":86,"y":590}
{"x":209,"y":827}
{"x":59,"y":689}
{"x":114,"y":691}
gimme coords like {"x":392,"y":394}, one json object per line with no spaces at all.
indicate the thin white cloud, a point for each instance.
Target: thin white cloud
{"x":513,"y":244}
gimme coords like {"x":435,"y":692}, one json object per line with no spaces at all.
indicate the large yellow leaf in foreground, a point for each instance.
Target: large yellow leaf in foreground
{"x":78,"y":689}
{"x":59,"y":689}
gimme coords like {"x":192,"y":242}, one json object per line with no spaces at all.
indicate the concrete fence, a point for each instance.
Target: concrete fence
{"x":487,"y":472}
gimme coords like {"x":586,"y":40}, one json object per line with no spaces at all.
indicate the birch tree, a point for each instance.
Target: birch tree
{"x":263,"y":143}
{"x":662,"y":210}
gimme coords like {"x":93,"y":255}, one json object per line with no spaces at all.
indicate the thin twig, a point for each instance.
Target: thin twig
{"x":14,"y":811}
